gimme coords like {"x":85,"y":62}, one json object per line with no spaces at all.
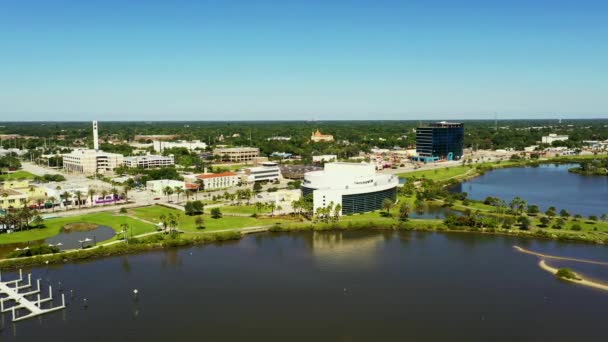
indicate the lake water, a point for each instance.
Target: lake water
{"x":68,"y":239}
{"x":349,"y":286}
{"x":546,"y":185}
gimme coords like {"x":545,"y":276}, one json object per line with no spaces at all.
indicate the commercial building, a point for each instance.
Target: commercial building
{"x":72,"y":190}
{"x":269,"y":171}
{"x":296,"y":171}
{"x":90,"y":162}
{"x":357,"y":187}
{"x":149,"y":161}
{"x":549,"y":139}
{"x":160,"y":145}
{"x":237,"y":154}
{"x":11,"y":198}
{"x":320,"y":137}
{"x":440,"y":140}
{"x":213,"y":181}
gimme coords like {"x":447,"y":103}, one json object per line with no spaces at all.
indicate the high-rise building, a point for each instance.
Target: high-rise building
{"x":440,"y":140}
{"x":95,"y":136}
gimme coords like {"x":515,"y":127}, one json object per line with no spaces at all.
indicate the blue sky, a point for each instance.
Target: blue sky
{"x":298,"y":60}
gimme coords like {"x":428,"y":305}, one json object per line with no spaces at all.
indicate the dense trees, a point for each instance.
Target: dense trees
{"x":194,"y":208}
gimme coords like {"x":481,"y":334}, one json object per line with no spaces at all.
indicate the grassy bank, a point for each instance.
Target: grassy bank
{"x":187,"y":223}
{"x":53,"y":226}
{"x":153,"y":242}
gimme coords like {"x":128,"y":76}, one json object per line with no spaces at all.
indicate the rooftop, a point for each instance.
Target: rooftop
{"x":216,"y":175}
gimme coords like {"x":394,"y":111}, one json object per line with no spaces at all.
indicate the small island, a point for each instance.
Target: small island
{"x":596,"y":167}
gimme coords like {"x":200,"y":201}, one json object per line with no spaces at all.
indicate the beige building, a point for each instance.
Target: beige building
{"x":10,"y":198}
{"x":319,"y":137}
{"x":149,"y":161}
{"x":212,"y":181}
{"x":237,"y":154}
{"x":90,"y":162}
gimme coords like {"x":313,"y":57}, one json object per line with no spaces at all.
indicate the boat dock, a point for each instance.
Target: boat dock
{"x":11,"y":293}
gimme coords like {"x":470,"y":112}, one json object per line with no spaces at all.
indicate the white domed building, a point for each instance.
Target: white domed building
{"x":357,"y":187}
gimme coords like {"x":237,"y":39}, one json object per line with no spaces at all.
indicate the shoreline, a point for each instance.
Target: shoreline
{"x":581,"y":281}
{"x":159,"y":241}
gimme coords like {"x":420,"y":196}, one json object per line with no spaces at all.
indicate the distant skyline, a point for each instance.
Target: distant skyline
{"x":299,"y":60}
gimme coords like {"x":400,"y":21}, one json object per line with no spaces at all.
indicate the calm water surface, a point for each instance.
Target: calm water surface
{"x":67,"y":238}
{"x":546,"y":185}
{"x":351,"y":286}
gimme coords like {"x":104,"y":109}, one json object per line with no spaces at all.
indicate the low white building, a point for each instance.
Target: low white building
{"x":268,"y":171}
{"x":326,"y":158}
{"x":158,"y":186}
{"x":57,"y":191}
{"x":160,"y":145}
{"x":90,"y":162}
{"x":357,"y":187}
{"x":549,"y":139}
{"x":149,"y":161}
{"x":213,"y":181}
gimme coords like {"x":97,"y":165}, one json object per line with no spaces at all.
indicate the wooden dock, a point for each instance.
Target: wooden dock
{"x":18,"y":294}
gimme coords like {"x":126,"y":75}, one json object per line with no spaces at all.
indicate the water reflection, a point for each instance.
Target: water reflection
{"x":340,"y":248}
{"x":66,"y":239}
{"x":585,"y":195}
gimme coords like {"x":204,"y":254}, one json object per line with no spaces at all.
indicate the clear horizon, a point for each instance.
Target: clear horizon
{"x":296,"y":61}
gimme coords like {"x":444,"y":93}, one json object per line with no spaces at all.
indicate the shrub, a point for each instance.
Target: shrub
{"x":216,"y":213}
{"x":566,"y":273}
{"x":577,"y":227}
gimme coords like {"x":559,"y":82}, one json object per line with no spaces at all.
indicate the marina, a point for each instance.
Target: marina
{"x":18,"y":300}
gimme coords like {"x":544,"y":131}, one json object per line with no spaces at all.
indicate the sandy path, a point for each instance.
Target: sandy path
{"x":587,"y":261}
{"x":581,"y":281}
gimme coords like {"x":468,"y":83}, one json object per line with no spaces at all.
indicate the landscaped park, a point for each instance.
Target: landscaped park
{"x":159,"y":226}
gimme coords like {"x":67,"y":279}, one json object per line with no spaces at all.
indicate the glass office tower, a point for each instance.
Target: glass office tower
{"x":440,"y":140}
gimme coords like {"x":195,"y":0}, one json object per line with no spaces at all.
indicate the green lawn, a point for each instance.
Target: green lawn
{"x":241,"y":209}
{"x":186,"y":222}
{"x":17,"y":175}
{"x":53,"y":226}
{"x":438,"y":174}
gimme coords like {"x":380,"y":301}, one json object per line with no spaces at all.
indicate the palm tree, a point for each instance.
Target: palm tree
{"x":272,"y":206}
{"x":126,"y":190}
{"x":104,"y":194}
{"x":65,"y":195}
{"x":114,"y":192}
{"x":78,"y":195}
{"x":168,"y":191}
{"x":39,"y":202}
{"x":173,"y":221}
{"x":178,"y":191}
{"x":404,"y":211}
{"x":200,"y":185}
{"x":91,"y":194}
{"x":387,"y":205}
{"x":337,"y":211}
{"x":164,"y":220}
{"x":52,"y":199}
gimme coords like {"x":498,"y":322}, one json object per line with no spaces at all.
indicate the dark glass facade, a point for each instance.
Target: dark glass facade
{"x":443,"y":140}
{"x":361,"y":203}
